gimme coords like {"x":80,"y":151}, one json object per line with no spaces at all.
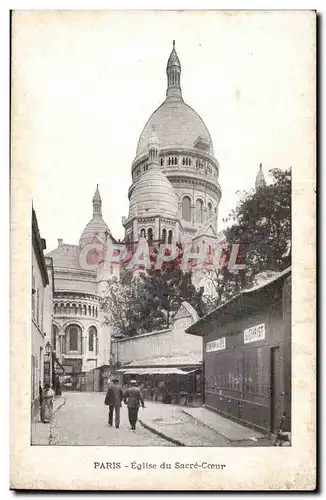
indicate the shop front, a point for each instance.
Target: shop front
{"x":247,"y":355}
{"x":167,"y":384}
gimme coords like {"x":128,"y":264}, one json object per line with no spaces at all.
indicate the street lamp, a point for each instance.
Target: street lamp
{"x":48,"y":349}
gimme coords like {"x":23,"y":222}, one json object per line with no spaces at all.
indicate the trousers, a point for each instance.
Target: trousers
{"x":133,"y":416}
{"x":115,"y":408}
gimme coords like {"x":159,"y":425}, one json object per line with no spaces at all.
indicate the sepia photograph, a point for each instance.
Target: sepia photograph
{"x":157,"y":161}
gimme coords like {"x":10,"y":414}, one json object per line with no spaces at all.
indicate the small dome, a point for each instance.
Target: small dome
{"x":153,"y":194}
{"x":96,"y":229}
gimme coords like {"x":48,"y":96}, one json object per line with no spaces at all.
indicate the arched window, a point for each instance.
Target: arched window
{"x":55,"y":308}
{"x":164,"y":236}
{"x":209,"y":250}
{"x":80,"y":309}
{"x":183,"y":160}
{"x":161,"y":162}
{"x":74,"y":309}
{"x":143,"y":233}
{"x":170,"y":237}
{"x":175,"y":160}
{"x":85,"y":310}
{"x":89,"y":311}
{"x":62,"y":308}
{"x":91,"y":339}
{"x":199,"y":211}
{"x":150,"y":234}
{"x":186,"y":208}
{"x":73,"y":335}
{"x":96,"y":312}
{"x":169,"y":162}
{"x":189,"y":162}
{"x":111,"y":269}
{"x":55,"y":332}
{"x":209,"y":209}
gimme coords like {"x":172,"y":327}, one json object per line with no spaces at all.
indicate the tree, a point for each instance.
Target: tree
{"x":147,"y":302}
{"x":261,"y":225}
{"x":166,"y":289}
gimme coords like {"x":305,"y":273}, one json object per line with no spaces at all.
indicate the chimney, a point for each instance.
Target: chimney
{"x":60,"y":242}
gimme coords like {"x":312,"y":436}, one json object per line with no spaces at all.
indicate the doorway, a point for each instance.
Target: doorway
{"x":276,"y":389}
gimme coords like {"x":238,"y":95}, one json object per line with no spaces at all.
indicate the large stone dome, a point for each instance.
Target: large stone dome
{"x":176,"y":125}
{"x":153,"y":194}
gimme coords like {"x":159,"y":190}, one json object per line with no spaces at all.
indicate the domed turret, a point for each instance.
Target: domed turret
{"x":176,"y":124}
{"x":260,"y":178}
{"x":153,"y":194}
{"x":96,"y":229}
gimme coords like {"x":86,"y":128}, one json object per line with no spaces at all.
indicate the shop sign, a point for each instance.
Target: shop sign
{"x":254,"y":333}
{"x":215,"y":345}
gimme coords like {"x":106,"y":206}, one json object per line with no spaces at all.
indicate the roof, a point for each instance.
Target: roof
{"x":233,"y":308}
{"x":157,"y":332}
{"x":65,"y":256}
{"x":190,"y":360}
{"x":189,"y":309}
{"x":152,"y":371}
{"x":39,"y":245}
{"x":176,"y":125}
{"x":206,"y":229}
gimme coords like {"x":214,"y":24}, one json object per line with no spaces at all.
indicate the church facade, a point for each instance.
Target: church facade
{"x":80,"y":337}
{"x":176,"y":140}
{"x":173,"y":199}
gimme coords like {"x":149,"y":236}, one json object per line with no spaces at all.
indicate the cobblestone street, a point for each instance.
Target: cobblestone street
{"x":82,"y":420}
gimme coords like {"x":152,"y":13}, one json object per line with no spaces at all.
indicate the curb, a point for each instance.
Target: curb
{"x":158,"y":433}
{"x":220,"y":434}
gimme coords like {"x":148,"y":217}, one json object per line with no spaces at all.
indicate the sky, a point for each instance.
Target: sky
{"x":85,"y":83}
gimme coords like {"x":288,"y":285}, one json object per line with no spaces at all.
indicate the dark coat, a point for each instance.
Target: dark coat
{"x":133,"y":397}
{"x":114,"y":395}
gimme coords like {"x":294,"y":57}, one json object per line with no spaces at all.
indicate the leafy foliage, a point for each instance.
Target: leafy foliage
{"x":261,"y":225}
{"x":147,"y":302}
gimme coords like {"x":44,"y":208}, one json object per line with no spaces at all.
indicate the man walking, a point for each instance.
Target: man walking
{"x":113,"y":400}
{"x":133,"y":398}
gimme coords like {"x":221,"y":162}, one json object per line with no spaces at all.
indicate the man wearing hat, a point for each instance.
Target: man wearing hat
{"x":113,"y":400}
{"x":133,"y":398}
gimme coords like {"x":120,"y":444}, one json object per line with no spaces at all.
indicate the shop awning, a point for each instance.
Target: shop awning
{"x":152,"y":371}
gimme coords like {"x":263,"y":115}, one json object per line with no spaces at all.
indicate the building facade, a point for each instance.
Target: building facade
{"x":80,"y":337}
{"x":42,"y":313}
{"x":161,"y":358}
{"x":247,"y":355}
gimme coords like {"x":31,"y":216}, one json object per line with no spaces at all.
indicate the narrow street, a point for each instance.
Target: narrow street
{"x":83,"y":420}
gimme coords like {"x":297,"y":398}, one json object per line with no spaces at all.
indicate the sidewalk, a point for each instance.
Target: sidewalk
{"x":198,"y":427}
{"x":41,"y":432}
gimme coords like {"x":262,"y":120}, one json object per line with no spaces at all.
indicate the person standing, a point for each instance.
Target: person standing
{"x":40,"y":391}
{"x":47,"y":403}
{"x":133,"y":398}
{"x":113,"y":400}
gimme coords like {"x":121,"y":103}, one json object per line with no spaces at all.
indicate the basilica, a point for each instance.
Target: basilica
{"x":174,"y":198}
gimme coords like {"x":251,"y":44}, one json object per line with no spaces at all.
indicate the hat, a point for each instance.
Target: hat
{"x":133,"y":381}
